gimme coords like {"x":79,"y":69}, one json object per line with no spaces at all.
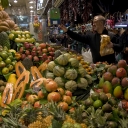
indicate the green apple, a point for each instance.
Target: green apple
{"x":5,"y":70}
{"x":4,"y":54}
{"x":8,"y":61}
{"x":2,"y":64}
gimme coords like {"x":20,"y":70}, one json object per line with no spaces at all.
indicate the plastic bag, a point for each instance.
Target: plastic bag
{"x":105,"y":39}
{"x":87,"y":55}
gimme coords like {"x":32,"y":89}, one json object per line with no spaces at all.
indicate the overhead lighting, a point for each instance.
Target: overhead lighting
{"x":15,"y":1}
{"x":41,"y":1}
{"x":31,"y":7}
{"x":31,"y":2}
{"x":31,"y":11}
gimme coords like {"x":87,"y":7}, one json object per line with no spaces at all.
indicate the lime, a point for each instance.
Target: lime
{"x":97,"y":104}
{"x":5,"y":70}
{"x":95,"y":96}
{"x":8,"y":61}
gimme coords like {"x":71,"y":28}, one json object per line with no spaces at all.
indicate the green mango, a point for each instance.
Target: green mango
{"x":101,"y":82}
{"x":118,"y":92}
{"x":107,"y":87}
{"x":126,"y":94}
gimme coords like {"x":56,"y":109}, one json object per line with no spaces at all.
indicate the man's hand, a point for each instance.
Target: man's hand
{"x":63,"y":28}
{"x":110,"y":45}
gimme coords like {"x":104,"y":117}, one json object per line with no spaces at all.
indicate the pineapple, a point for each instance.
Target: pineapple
{"x":123,"y":123}
{"x":78,"y":116}
{"x":95,"y":118}
{"x":12,"y":118}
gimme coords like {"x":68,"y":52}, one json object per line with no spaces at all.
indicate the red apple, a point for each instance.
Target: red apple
{"x":36,"y":59}
{"x":21,"y":50}
{"x":33,"y":53}
{"x":39,"y":48}
{"x":39,"y":53}
{"x":30,"y":57}
{"x":34,"y":48}
{"x":42,"y":45}
{"x":31,"y":45}
{"x":27,"y":52}
{"x":51,"y":53}
{"x":26,"y":45}
{"x":53,"y":50}
{"x":23,"y":56}
{"x":50,"y":57}
{"x":49,"y":49}
{"x":44,"y":50}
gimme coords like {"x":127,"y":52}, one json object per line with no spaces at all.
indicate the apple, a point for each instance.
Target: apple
{"x":34,"y":48}
{"x":53,"y":50}
{"x":30,"y":57}
{"x":36,"y":59}
{"x":21,"y":50}
{"x":39,"y":48}
{"x":44,"y":57}
{"x":49,"y":49}
{"x":26,"y":45}
{"x":31,"y":45}
{"x":5,"y":70}
{"x":50,"y":57}
{"x":23,"y":56}
{"x":39,"y":53}
{"x":27,"y":52}
{"x":42,"y":45}
{"x":33,"y":53}
{"x":32,"y":98}
{"x":37,"y":104}
{"x":44,"y":50}
{"x":48,"y":60}
{"x":51,"y":53}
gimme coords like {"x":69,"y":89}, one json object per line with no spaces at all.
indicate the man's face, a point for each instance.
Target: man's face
{"x":96,"y":24}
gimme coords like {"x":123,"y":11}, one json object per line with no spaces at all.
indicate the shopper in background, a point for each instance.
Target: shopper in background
{"x":124,"y":42}
{"x":93,"y":39}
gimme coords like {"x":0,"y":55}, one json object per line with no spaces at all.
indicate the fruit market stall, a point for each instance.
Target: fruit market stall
{"x":48,"y":86}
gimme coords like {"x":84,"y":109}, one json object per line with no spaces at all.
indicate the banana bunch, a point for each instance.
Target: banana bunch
{"x":4,"y":3}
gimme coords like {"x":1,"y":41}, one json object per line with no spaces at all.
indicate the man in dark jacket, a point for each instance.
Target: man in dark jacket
{"x":93,"y":39}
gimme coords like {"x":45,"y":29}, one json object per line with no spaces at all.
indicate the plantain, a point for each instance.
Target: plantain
{"x":4,"y":3}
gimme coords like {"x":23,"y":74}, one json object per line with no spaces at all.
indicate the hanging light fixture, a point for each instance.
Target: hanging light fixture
{"x":15,"y":1}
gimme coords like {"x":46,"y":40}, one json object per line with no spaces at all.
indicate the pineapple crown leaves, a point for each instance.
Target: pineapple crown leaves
{"x":56,"y":111}
{"x":123,"y":123}
{"x":77,"y":114}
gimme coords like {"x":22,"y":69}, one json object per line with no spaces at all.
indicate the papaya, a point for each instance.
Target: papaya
{"x":35,"y":73}
{"x":35,"y":85}
{"x":19,"y":68}
{"x":43,"y":67}
{"x":23,"y":77}
{"x":19,"y":91}
{"x":7,"y":95}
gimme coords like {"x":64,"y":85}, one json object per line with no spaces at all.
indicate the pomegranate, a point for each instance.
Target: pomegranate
{"x":107,"y":76}
{"x":32,"y":98}
{"x":122,"y":64}
{"x":124,"y":82}
{"x":121,"y":72}
{"x":61,"y":91}
{"x":63,"y":105}
{"x":54,"y":96}
{"x":37,"y":104}
{"x":51,"y":86}
{"x":40,"y":95}
{"x":67,"y":99}
{"x":68,"y":93}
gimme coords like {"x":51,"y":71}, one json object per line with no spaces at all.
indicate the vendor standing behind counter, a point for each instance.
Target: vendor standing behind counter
{"x":93,"y":39}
